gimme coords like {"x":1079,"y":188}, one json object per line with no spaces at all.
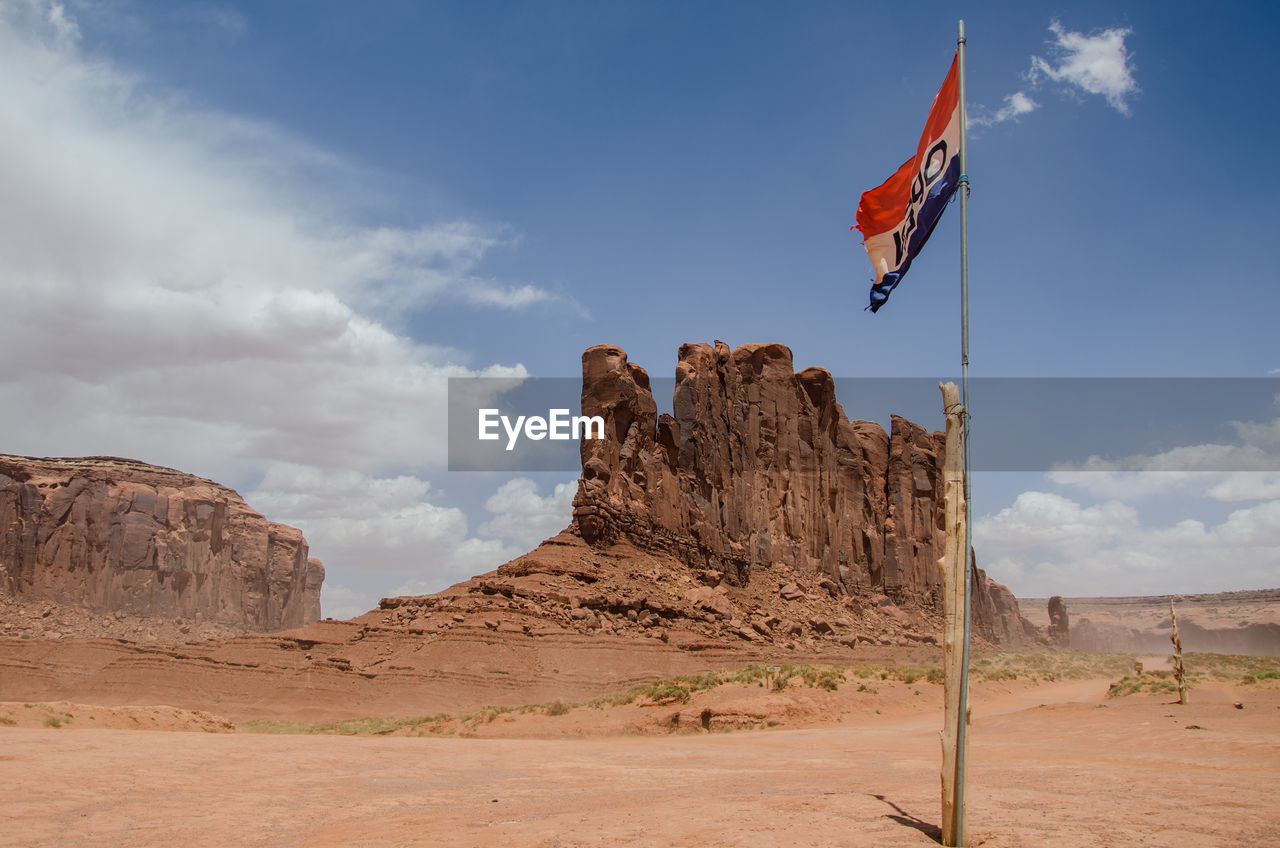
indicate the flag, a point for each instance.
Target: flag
{"x":897,"y":217}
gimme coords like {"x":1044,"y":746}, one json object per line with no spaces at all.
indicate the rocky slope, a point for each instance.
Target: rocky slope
{"x":117,"y":536}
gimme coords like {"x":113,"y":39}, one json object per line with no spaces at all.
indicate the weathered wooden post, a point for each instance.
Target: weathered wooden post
{"x":1179,"y":673}
{"x":954,"y":564}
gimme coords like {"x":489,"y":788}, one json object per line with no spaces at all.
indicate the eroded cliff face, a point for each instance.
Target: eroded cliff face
{"x":115,"y":535}
{"x":759,"y":468}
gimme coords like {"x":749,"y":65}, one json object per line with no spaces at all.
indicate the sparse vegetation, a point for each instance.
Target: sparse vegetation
{"x":1154,"y":682}
{"x":996,"y":666}
{"x":830,"y":679}
{"x":905,"y":673}
{"x":1200,"y":667}
{"x":348,"y":727}
{"x":1047,"y":666}
{"x":670,"y":691}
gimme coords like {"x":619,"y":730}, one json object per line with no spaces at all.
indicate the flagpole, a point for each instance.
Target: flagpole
{"x":963,"y":187}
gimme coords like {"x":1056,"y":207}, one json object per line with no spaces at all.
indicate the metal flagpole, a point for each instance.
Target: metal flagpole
{"x":963,"y":186}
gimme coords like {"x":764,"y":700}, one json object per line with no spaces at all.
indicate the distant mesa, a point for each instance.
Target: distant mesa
{"x":125,"y":538}
{"x":1246,"y":622}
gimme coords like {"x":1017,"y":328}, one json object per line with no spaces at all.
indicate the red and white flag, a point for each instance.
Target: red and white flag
{"x":897,"y":217}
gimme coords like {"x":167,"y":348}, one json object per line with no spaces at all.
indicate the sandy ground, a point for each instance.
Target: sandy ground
{"x":1056,"y":765}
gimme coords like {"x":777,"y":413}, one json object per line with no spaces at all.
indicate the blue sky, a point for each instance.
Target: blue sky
{"x":252,"y":241}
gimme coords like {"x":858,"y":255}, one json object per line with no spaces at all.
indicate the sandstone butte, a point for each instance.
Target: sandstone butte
{"x":756,"y":517}
{"x":759,"y":473}
{"x":117,"y":536}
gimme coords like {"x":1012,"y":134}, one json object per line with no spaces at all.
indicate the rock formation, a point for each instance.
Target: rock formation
{"x":759,"y":470}
{"x":1007,"y":622}
{"x":1059,"y":622}
{"x":115,"y":535}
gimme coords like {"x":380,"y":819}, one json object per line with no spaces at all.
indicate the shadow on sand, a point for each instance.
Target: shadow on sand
{"x":904,"y":818}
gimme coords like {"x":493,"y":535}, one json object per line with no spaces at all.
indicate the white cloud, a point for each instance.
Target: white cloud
{"x":389,"y":526}
{"x":471,"y":557}
{"x":1246,"y":471}
{"x":1015,"y":105}
{"x":1249,"y":486}
{"x":196,"y":288}
{"x":1140,"y":485}
{"x":342,"y":602}
{"x":179,"y":289}
{"x":63,"y":26}
{"x":1127,"y":485}
{"x":385,"y":527}
{"x":351,"y":510}
{"x":1045,"y":544}
{"x":1259,"y":435}
{"x":523,"y":517}
{"x":1042,"y":518}
{"x":1095,"y":64}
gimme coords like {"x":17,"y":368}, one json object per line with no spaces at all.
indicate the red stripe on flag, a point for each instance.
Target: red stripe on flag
{"x":881,"y":209}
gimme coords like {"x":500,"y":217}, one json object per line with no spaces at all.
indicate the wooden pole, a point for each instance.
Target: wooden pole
{"x":954,"y":564}
{"x":1179,"y":672}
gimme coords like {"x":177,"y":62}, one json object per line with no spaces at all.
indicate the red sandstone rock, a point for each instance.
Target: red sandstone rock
{"x":115,"y":535}
{"x":759,"y":471}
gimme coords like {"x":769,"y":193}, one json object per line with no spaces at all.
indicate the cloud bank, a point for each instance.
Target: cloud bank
{"x":389,"y":530}
{"x":196,"y":289}
{"x":1049,"y":544}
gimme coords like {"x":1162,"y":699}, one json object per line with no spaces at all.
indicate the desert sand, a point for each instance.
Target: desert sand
{"x":1052,"y":764}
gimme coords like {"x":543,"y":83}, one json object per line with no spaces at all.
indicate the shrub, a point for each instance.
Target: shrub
{"x":669,"y":690}
{"x":830,"y":679}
